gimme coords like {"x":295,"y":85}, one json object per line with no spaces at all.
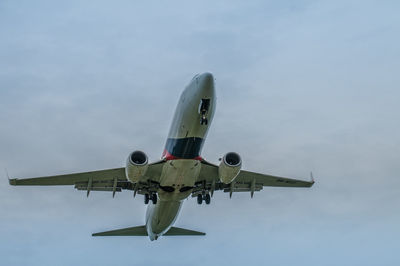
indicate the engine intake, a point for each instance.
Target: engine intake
{"x":136,"y":166}
{"x":229,"y":167}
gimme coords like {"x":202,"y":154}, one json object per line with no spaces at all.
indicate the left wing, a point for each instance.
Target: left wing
{"x":245,"y":181}
{"x":102,"y":180}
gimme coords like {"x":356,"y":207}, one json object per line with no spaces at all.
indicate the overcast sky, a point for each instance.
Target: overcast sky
{"x":302,"y":86}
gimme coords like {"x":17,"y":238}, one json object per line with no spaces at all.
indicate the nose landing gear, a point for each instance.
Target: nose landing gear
{"x":203,"y":120}
{"x":204,"y":106}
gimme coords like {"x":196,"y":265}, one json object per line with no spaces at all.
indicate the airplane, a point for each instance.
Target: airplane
{"x":180,"y":173}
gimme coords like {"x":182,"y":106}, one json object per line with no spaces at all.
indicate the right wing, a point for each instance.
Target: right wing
{"x":270,"y":180}
{"x":102,"y":180}
{"x":245,"y":181}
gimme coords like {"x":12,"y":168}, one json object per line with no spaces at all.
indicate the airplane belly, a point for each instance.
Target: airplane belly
{"x":192,"y":118}
{"x":163,"y":216}
{"x":179,"y":175}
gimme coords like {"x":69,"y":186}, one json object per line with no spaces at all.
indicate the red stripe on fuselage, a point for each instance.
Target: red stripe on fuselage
{"x":168,"y":156}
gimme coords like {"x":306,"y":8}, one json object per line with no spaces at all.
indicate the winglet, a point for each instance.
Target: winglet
{"x":13,"y":181}
{"x":312,"y":178}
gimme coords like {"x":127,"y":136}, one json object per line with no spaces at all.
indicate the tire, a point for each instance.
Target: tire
{"x":154,"y":198}
{"x":146,"y":198}
{"x":207,"y":199}
{"x":199,"y":199}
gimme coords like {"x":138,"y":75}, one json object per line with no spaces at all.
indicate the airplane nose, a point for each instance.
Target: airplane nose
{"x":207,"y":79}
{"x":206,"y":85}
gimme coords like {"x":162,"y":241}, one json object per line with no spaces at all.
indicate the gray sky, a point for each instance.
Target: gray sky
{"x":301,"y":86}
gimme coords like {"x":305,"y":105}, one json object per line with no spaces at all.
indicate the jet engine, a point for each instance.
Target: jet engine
{"x":229,"y":167}
{"x":136,"y":166}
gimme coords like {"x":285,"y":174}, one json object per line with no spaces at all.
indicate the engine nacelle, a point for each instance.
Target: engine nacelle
{"x":136,"y":166}
{"x":229,"y":167}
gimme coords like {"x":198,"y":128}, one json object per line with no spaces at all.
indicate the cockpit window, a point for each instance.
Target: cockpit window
{"x":195,"y":76}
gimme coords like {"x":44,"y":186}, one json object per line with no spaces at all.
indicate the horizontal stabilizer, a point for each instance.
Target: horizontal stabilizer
{"x":130,"y":231}
{"x":176,"y":231}
{"x":141,"y":231}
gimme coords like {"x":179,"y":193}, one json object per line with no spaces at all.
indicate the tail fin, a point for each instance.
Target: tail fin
{"x":141,"y":231}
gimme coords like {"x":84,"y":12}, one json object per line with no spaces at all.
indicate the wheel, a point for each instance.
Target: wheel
{"x":199,"y":199}
{"x":203,"y":120}
{"x":146,"y":198}
{"x":207,"y":198}
{"x":154,"y":198}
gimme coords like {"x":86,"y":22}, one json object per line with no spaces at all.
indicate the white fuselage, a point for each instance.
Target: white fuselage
{"x":193,"y":116}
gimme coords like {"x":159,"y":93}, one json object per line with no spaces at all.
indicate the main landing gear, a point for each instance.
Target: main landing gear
{"x":152,"y":197}
{"x":206,"y":198}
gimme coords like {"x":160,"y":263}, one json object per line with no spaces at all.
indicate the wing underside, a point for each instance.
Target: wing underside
{"x":113,"y":180}
{"x":246,"y":181}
